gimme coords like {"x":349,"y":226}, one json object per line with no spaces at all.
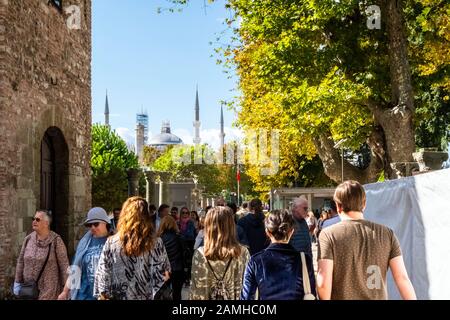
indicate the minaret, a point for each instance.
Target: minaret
{"x":107,"y":110}
{"x":222,"y":130}
{"x":197,"y":120}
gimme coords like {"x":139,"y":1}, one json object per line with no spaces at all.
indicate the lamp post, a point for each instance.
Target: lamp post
{"x":196,"y":192}
{"x":238,"y":178}
{"x":338,"y":145}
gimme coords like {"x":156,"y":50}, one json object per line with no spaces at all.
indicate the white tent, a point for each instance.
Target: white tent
{"x":418,"y":210}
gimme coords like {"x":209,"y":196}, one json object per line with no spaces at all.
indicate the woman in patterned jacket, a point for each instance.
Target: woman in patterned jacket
{"x":134,"y":264}
{"x":218,"y":267}
{"x":43,"y":252}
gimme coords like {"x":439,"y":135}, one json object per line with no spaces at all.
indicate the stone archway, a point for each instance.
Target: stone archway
{"x":54,"y":177}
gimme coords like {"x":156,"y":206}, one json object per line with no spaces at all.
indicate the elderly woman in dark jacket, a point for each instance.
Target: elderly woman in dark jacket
{"x":277,"y":271}
{"x":175,"y":248}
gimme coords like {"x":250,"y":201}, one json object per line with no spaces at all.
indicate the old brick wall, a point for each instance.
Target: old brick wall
{"x":45,"y":81}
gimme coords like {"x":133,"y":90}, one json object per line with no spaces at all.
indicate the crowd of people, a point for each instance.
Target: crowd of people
{"x":141,"y":252}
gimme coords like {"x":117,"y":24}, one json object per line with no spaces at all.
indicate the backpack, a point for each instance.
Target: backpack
{"x":219,"y":290}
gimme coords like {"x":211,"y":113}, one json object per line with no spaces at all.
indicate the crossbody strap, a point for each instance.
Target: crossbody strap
{"x":305,"y":275}
{"x":45,"y":263}
{"x":226,"y":269}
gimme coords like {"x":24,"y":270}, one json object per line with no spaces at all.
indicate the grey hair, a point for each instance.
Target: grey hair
{"x":298,"y":201}
{"x":47,"y":215}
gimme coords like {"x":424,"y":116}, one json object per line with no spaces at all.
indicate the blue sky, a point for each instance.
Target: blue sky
{"x":155,"y":60}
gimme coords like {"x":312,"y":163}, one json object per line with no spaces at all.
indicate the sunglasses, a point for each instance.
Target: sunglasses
{"x":36,"y":219}
{"x":95,"y":224}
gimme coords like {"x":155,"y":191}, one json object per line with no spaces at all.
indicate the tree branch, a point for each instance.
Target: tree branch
{"x":332,"y":158}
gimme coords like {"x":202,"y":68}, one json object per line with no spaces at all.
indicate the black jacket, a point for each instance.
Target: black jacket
{"x":175,"y":249}
{"x":254,"y":229}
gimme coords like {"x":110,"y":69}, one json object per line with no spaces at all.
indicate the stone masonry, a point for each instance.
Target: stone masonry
{"x":45,"y":86}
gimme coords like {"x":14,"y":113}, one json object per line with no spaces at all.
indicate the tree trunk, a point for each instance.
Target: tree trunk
{"x":332,"y":159}
{"x":397,"y":121}
{"x":394,"y":144}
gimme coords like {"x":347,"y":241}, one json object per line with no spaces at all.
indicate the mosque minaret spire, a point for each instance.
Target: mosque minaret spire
{"x":197,"y":122}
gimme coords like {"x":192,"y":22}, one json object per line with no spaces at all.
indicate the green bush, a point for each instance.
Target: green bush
{"x":110,"y":160}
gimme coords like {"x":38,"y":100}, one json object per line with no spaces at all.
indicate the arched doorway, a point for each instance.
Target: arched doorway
{"x":47,"y":174}
{"x":54,"y":186}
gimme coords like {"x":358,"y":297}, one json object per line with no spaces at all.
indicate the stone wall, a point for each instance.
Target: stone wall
{"x":45,"y":81}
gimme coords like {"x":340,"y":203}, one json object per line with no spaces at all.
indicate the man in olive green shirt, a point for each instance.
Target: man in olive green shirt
{"x":355,"y":254}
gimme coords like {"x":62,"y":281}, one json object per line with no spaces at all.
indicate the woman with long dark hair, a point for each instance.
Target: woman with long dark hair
{"x":170,"y":235}
{"x":187,"y":230}
{"x":279,"y":272}
{"x":196,"y":219}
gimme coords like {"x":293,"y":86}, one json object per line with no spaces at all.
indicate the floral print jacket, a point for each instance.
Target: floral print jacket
{"x":202,"y":277}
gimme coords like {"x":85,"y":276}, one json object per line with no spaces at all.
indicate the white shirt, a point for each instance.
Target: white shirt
{"x":311,"y":221}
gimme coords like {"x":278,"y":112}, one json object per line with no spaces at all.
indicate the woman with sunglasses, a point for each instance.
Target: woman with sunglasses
{"x":196,"y":219}
{"x":42,"y":260}
{"x":169,"y":233}
{"x":80,"y":285}
{"x":187,"y":230}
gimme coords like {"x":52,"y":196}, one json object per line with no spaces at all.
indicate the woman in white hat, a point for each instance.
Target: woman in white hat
{"x":80,"y":284}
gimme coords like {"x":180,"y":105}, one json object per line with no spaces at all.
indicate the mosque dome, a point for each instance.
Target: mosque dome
{"x":165,"y":138}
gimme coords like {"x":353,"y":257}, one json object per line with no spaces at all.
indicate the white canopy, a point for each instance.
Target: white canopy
{"x":418,"y":210}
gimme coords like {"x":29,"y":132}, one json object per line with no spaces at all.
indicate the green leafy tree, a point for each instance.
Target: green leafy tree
{"x":429,"y":38}
{"x":180,"y":162}
{"x":110,"y":160}
{"x":316,"y":72}
{"x":150,"y":155}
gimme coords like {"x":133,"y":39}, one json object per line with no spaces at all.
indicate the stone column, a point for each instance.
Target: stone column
{"x":160,"y":191}
{"x":195,"y":194}
{"x":150,"y":177}
{"x":204,"y":201}
{"x":163,"y":179}
{"x":310,"y":197}
{"x":275,"y":200}
{"x":133,"y":182}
